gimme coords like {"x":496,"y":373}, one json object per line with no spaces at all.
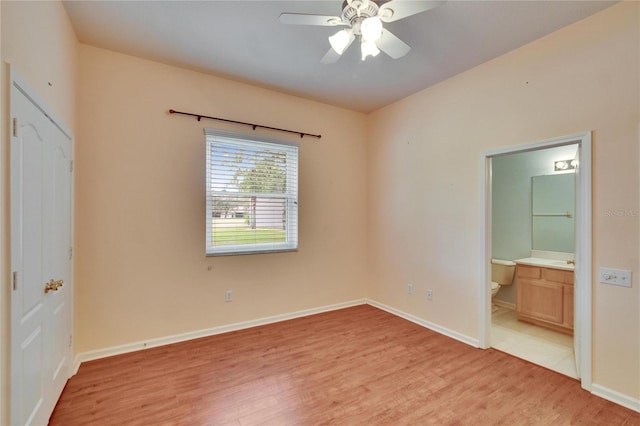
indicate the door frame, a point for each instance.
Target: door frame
{"x":583,"y":285}
{"x":20,"y":84}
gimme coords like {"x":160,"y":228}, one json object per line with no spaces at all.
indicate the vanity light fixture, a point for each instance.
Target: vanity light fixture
{"x":565,"y":165}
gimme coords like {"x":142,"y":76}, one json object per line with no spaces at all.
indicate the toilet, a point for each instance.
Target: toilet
{"x":502,"y":272}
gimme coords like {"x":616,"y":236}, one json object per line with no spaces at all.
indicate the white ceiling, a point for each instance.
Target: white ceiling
{"x":245,"y":41}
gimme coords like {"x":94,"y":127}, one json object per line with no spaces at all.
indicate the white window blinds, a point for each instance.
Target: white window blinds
{"x":252,"y":194}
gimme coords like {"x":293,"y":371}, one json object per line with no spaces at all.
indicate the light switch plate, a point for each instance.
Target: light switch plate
{"x":612,"y":276}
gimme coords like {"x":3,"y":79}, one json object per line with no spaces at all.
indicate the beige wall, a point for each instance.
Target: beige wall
{"x":39,"y":42}
{"x":141,"y":270}
{"x":424,"y":159}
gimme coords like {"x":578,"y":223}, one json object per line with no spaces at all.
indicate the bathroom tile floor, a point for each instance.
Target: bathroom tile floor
{"x":535,"y":344}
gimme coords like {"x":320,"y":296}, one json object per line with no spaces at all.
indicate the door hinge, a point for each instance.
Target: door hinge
{"x":70,"y":340}
{"x":70,"y":252}
{"x":15,"y":127}
{"x":71,"y":166}
{"x":15,"y":280}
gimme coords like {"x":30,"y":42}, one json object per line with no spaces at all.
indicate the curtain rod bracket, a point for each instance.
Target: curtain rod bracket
{"x":255,"y":126}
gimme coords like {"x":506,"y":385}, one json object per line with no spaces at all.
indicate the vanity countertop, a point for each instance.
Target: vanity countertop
{"x":545,"y":263}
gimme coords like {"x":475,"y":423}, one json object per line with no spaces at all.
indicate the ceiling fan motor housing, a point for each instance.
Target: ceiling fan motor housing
{"x":356,"y":11}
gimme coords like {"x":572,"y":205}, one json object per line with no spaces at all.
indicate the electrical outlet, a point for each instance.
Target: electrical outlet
{"x":615,"y":276}
{"x":228,"y":296}
{"x":429,"y":295}
{"x":409,"y":288}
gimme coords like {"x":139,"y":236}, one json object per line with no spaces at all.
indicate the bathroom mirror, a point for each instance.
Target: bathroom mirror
{"x":553,"y":212}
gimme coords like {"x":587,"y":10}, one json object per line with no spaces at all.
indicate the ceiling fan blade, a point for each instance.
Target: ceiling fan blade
{"x":330,"y":57}
{"x":392,"y":45}
{"x":305,"y":19}
{"x":398,"y":9}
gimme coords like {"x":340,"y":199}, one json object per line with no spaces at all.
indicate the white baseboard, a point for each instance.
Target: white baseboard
{"x":167,"y":340}
{"x":504,"y":304}
{"x":616,"y":397}
{"x":176,"y":338}
{"x":435,"y":327}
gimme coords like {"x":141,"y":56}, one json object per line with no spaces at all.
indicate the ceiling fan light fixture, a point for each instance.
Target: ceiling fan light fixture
{"x":371,"y":29}
{"x":369,"y":48}
{"x":364,"y":20}
{"x":340,"y":40}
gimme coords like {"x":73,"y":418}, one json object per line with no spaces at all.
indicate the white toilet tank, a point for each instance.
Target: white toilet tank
{"x":502,"y":271}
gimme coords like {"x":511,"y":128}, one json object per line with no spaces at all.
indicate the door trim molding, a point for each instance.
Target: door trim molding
{"x":583,"y":249}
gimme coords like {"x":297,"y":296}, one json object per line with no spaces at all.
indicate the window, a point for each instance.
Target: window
{"x":252,"y":194}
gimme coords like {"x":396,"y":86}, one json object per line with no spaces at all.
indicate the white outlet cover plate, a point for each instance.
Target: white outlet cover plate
{"x":613,"y":276}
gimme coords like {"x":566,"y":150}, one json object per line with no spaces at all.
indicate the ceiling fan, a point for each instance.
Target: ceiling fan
{"x":364,"y":18}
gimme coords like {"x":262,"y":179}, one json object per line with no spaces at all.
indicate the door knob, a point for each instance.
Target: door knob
{"x":53,"y":285}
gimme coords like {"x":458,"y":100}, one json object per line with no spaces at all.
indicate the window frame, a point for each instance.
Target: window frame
{"x":290,"y":195}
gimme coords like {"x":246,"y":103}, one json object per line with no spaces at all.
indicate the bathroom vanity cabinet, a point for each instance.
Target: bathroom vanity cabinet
{"x":544,"y":297}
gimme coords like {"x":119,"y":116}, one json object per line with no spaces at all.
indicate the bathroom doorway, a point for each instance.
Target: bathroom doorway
{"x":554,"y":332}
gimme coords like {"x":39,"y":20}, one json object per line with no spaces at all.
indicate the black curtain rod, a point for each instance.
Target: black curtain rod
{"x":200,"y":116}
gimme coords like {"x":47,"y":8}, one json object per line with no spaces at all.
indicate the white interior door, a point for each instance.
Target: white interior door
{"x":41,"y":297}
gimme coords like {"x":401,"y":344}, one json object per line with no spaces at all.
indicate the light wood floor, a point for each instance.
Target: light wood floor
{"x":356,"y":366}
